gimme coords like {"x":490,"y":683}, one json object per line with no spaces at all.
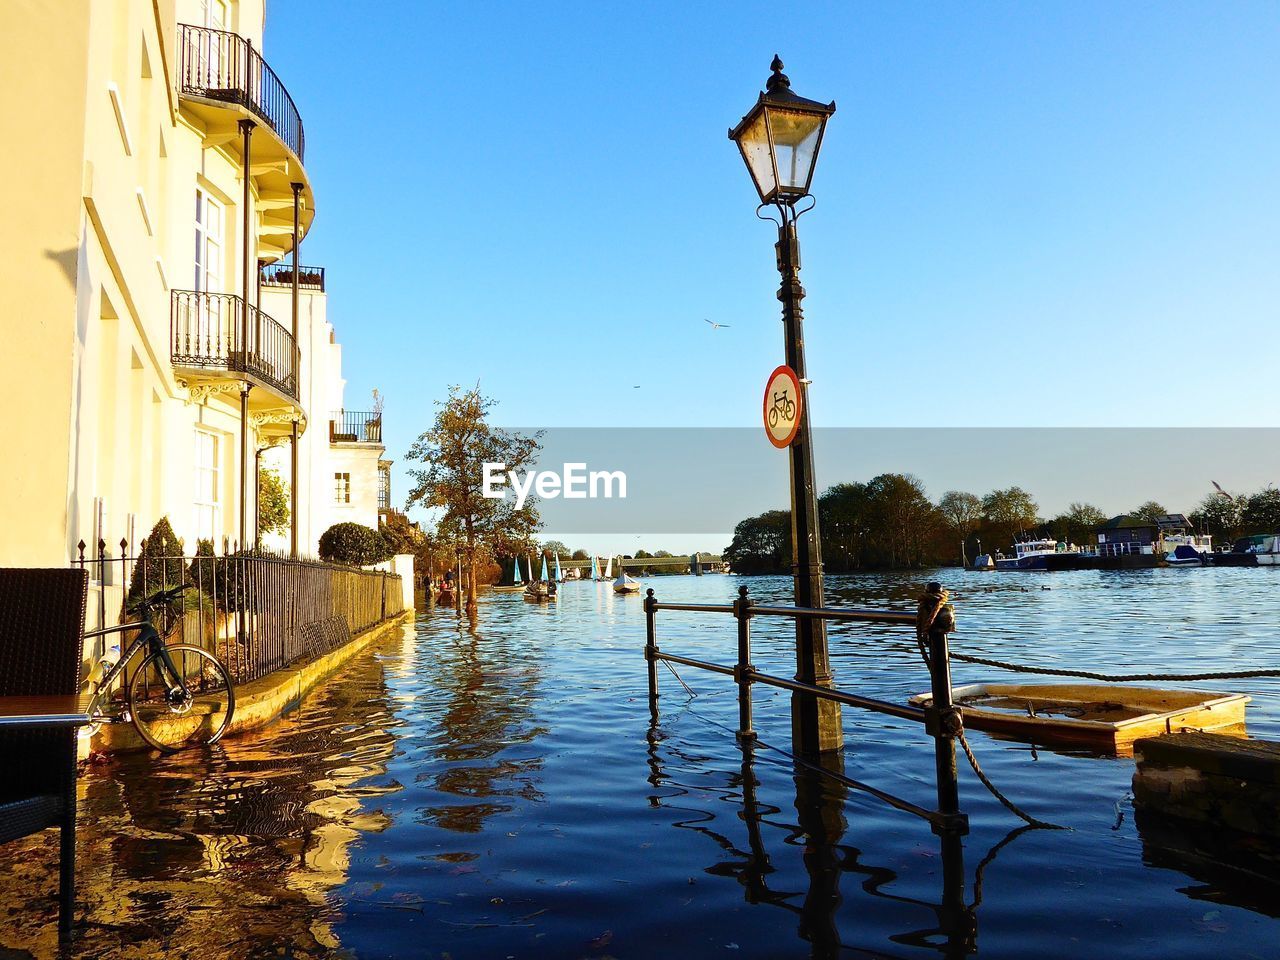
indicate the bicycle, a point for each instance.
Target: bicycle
{"x":784,"y":405}
{"x":181,"y":695}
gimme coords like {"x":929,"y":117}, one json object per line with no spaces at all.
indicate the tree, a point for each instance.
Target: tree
{"x":354,"y":544}
{"x":1007,"y":513}
{"x":1077,"y":523}
{"x":453,"y":453}
{"x":273,"y":502}
{"x":761,"y":544}
{"x":903,"y":520}
{"x":1149,"y":511}
{"x":554,"y":548}
{"x":1261,"y":512}
{"x":961,"y":513}
{"x":844,"y":519}
{"x":1221,"y":515}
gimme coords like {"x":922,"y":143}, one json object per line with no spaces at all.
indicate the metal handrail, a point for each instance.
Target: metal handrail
{"x":281,"y":275}
{"x":940,"y":719}
{"x":224,"y":66}
{"x":355,"y":426}
{"x":220,"y":330}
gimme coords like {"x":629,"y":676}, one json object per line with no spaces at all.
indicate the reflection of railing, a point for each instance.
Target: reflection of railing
{"x":219,"y":65}
{"x":219,"y":330}
{"x":281,"y":275}
{"x":941,"y":719}
{"x":352,"y":426}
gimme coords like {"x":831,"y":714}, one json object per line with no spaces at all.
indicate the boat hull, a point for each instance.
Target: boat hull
{"x":1234,"y":559}
{"x":1123,"y":561}
{"x":1096,"y":716}
{"x":1041,"y":561}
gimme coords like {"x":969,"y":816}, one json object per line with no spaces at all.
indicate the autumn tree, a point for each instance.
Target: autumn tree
{"x":453,"y":452}
{"x":1221,"y":515}
{"x":961,"y":513}
{"x":761,"y":544}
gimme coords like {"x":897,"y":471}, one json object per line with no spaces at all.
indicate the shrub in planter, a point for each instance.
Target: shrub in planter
{"x":159,"y":565}
{"x":354,"y":544}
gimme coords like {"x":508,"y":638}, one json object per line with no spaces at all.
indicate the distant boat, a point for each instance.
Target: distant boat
{"x":983,"y":562}
{"x":624,"y":584}
{"x":595,"y":570}
{"x":559,"y":576}
{"x":608,"y":569}
{"x":512,"y":583}
{"x":540,"y":591}
{"x":543,"y":575}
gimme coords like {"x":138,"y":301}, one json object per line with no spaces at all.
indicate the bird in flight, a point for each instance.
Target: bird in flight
{"x":1221,"y":492}
{"x":714,"y":325}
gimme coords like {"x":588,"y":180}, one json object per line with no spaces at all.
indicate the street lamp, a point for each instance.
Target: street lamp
{"x":779,"y":140}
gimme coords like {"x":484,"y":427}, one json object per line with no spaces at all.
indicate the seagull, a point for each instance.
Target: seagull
{"x":636,"y":387}
{"x":714,"y":325}
{"x":1221,"y":492}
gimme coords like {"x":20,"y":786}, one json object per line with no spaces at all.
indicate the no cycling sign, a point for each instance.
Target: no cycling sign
{"x":783,"y":407}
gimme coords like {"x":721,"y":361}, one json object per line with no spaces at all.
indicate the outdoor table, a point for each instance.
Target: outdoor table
{"x":61,"y":710}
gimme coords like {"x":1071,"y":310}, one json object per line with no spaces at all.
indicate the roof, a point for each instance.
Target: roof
{"x":1126,"y":522}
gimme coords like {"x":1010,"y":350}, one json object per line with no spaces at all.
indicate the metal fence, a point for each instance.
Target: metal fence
{"x":218,"y":330}
{"x":254,"y":611}
{"x":224,"y":66}
{"x":355,"y":426}
{"x":281,"y":275}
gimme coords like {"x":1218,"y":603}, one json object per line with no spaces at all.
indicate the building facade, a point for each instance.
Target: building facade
{"x":160,"y":340}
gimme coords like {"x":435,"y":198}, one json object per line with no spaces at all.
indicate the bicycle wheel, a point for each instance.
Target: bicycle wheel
{"x":171,"y":716}
{"x":773,"y":417}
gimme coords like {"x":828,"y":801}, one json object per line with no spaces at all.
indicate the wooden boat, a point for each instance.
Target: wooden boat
{"x":539,"y":591}
{"x":625,"y":584}
{"x":1098,"y":716}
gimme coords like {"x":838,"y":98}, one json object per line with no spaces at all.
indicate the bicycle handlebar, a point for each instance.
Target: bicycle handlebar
{"x":160,"y":597}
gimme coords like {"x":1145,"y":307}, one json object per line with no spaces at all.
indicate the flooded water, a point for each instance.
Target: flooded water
{"x":497,"y":789}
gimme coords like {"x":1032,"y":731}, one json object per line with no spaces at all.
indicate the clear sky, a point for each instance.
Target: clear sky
{"x":1030,"y":214}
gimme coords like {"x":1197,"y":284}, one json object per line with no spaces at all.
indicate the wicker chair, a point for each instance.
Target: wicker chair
{"x":41,"y":630}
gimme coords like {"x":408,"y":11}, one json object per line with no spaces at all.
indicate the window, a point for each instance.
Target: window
{"x":209,"y":241}
{"x":384,"y":489}
{"x":208,"y":509}
{"x":342,"y":488}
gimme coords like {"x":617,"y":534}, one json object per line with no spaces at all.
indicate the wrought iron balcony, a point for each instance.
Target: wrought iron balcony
{"x":351,"y":426}
{"x":281,"y":275}
{"x":221,"y":331}
{"x":223,"y":66}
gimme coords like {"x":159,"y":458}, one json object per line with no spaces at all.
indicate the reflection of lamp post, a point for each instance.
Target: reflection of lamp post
{"x":779,"y":139}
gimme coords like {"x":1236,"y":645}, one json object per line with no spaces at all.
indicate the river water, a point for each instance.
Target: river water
{"x":496,"y":789}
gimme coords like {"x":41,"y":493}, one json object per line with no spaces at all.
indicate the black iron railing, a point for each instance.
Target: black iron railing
{"x":351,"y":426}
{"x":255,"y":612}
{"x":281,"y":275}
{"x":219,"y":330}
{"x":224,"y":66}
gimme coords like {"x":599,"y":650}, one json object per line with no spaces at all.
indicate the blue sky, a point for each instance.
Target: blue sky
{"x":1041,"y":214}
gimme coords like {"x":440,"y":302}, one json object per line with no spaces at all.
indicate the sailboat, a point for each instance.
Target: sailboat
{"x":543,"y":589}
{"x":559,"y":576}
{"x":595,"y":569}
{"x":608,"y":569}
{"x":512,"y":584}
{"x":624,"y":584}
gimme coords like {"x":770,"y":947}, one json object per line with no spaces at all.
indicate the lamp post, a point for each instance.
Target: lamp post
{"x":779,"y":139}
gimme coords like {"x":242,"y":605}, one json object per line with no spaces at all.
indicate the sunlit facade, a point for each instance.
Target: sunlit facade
{"x":158,"y":348}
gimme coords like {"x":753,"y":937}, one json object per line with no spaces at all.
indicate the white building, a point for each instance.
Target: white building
{"x":155,"y":344}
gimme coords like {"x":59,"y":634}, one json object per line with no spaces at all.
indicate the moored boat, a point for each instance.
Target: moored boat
{"x":1040,"y":555}
{"x":1098,"y":716}
{"x":624,"y":584}
{"x":511,"y":581}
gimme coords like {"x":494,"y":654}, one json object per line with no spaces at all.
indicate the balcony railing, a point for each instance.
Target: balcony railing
{"x":218,"y":65}
{"x":281,"y":275}
{"x":218,"y":330}
{"x":350,"y":426}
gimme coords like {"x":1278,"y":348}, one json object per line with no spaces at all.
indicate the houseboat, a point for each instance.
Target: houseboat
{"x":1040,"y":555}
{"x":1124,"y":543}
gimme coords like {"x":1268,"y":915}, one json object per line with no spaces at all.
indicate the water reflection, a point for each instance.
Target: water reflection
{"x":821,"y":822}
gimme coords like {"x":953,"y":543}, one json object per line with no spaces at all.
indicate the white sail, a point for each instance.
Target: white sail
{"x":608,"y":570}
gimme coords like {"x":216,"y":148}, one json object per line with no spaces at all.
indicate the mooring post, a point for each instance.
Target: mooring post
{"x":742,"y":670}
{"x":946,"y":722}
{"x":651,"y":645}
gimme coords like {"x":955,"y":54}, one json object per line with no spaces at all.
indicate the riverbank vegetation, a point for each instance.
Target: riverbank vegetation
{"x":889,"y":522}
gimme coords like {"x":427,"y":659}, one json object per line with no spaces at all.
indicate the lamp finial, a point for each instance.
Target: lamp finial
{"x":779,"y":80}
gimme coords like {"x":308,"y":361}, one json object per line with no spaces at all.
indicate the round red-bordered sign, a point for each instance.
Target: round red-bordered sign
{"x":783,"y":407}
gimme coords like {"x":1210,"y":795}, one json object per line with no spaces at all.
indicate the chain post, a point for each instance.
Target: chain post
{"x":651,"y":645}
